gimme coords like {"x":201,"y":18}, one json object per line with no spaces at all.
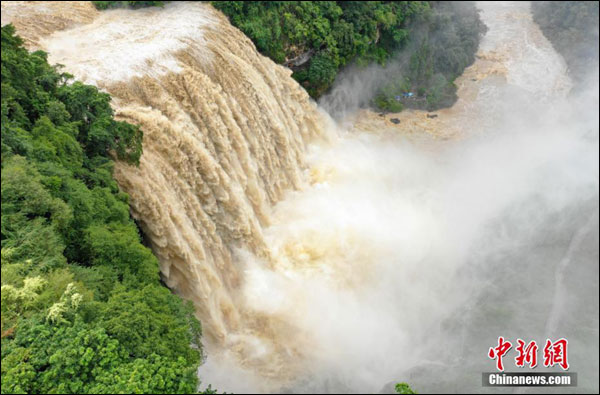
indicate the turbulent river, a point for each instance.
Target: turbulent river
{"x":347,"y":255}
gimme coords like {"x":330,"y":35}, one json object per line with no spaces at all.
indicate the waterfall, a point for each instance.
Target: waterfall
{"x":321,"y":261}
{"x":225,"y":133}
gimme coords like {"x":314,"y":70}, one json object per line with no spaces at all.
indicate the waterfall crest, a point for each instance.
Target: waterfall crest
{"x":225,"y":131}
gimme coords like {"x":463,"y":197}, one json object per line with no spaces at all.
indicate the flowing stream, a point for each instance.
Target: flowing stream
{"x":346,"y":256}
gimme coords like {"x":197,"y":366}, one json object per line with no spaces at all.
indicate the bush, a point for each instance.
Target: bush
{"x":317,"y":39}
{"x":83,"y":310}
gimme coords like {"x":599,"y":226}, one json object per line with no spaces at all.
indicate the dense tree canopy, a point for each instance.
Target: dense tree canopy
{"x":432,"y":42}
{"x":441,"y":45}
{"x":317,"y":38}
{"x":83,"y":310}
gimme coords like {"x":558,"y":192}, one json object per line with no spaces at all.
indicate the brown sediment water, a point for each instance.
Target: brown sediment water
{"x":309,"y":252}
{"x":514,"y":51}
{"x":225,"y":134}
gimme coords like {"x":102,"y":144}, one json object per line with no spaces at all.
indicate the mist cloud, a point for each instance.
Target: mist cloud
{"x":404,"y":260}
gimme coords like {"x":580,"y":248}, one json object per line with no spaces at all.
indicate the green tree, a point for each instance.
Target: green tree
{"x":83,"y":310}
{"x":317,"y":38}
{"x":404,"y":388}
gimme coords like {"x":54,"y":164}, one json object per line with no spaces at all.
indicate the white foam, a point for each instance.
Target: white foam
{"x":123,"y":43}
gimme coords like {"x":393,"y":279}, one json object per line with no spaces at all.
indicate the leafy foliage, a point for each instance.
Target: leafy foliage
{"x":403,"y":388}
{"x":434,"y":42}
{"x":83,"y":310}
{"x":317,"y":38}
{"x":103,"y":5}
{"x":442,"y":44}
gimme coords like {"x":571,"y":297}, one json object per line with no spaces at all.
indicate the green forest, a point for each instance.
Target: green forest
{"x":432,"y":41}
{"x":317,"y":38}
{"x":83,"y":308}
